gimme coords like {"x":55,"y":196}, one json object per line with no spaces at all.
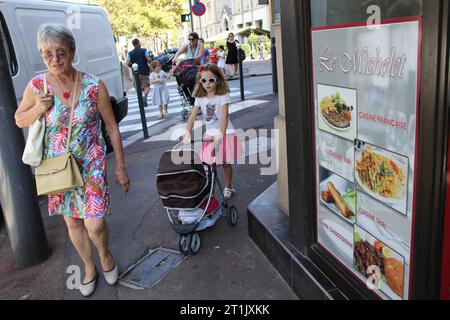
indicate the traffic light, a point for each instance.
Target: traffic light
{"x":185,"y":17}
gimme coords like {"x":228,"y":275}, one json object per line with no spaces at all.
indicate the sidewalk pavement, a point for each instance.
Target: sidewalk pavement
{"x":229,"y":265}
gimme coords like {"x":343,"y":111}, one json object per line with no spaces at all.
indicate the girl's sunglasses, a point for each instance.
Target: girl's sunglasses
{"x":210,"y":80}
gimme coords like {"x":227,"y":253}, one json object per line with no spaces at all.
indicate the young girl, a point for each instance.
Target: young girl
{"x":221,"y":56}
{"x":212,"y":96}
{"x":161,"y":95}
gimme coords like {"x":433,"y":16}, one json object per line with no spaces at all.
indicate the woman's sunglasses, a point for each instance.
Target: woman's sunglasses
{"x":210,"y":80}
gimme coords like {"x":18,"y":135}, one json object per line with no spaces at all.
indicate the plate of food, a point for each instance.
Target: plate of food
{"x":369,"y":252}
{"x":382,"y":175}
{"x":335,"y":112}
{"x":339,"y":196}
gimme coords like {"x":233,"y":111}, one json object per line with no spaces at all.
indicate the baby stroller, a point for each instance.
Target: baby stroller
{"x":186,"y":187}
{"x":186,"y":76}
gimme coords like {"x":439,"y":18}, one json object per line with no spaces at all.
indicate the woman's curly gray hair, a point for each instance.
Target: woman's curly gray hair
{"x":52,"y":32}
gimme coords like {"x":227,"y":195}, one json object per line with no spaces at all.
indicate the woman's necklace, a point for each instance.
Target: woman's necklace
{"x":65,"y":92}
{"x":66,"y":95}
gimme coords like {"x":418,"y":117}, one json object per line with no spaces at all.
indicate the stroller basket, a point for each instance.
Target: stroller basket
{"x":181,"y":181}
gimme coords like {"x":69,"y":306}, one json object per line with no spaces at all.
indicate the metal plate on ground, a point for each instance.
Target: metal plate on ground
{"x":151,"y":268}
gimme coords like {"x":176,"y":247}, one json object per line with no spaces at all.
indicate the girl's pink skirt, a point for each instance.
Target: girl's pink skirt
{"x":229,"y":151}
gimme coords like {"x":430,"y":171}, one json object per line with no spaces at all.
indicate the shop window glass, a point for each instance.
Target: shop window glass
{"x":334,"y":12}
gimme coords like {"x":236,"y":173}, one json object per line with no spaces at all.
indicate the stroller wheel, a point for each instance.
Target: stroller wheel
{"x":232,"y":216}
{"x":183,"y":243}
{"x":195,"y":244}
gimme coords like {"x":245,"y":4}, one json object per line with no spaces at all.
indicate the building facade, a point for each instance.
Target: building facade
{"x":224,"y":16}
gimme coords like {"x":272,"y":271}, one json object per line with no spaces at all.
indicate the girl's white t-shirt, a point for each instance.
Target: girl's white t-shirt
{"x":212,"y":113}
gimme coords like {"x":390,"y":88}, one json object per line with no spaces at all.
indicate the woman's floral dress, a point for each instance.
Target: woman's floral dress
{"x":87,"y":146}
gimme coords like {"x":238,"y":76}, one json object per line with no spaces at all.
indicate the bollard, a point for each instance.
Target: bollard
{"x":273,"y":53}
{"x":17,"y":189}
{"x":137,"y":85}
{"x":241,"y":72}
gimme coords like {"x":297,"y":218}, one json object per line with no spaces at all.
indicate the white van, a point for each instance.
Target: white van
{"x":96,"y":52}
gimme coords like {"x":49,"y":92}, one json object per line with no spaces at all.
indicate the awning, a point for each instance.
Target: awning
{"x":243,"y":32}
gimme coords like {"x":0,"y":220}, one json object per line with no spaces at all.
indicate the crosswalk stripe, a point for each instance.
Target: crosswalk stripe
{"x":150,"y":113}
{"x":131,"y":125}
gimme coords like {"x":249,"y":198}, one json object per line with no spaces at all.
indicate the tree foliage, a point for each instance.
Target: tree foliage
{"x":145,"y":18}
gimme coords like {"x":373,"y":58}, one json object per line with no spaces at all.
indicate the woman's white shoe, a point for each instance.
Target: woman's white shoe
{"x":112,"y":276}
{"x":89,"y":288}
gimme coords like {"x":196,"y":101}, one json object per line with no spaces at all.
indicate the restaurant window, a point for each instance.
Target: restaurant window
{"x":366,"y":110}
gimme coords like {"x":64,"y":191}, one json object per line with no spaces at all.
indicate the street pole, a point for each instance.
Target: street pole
{"x":273,"y":57}
{"x":17,"y":189}
{"x":137,"y":84}
{"x":190,"y":12}
{"x":241,"y":72}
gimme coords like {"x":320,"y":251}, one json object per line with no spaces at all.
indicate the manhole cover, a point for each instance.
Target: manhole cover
{"x":151,"y":268}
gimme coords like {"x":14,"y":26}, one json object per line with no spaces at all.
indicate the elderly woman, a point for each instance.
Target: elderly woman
{"x":84,"y":209}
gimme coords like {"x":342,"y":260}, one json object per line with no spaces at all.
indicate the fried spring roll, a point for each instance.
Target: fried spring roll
{"x":339,"y":201}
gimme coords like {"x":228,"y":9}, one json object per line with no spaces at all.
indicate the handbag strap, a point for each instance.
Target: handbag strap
{"x":72,"y":104}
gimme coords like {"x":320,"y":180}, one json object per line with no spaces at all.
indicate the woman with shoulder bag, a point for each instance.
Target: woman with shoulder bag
{"x":72,"y":107}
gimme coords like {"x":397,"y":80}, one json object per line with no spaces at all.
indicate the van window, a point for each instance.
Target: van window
{"x":28,"y":22}
{"x":9,"y":48}
{"x":99,"y":40}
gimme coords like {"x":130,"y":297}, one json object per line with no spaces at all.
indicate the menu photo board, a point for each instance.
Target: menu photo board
{"x":366,"y":89}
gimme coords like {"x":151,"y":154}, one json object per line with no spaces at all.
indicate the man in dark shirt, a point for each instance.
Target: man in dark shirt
{"x":141,"y":57}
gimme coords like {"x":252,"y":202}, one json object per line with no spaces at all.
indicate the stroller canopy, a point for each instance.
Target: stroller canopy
{"x":181,"y":181}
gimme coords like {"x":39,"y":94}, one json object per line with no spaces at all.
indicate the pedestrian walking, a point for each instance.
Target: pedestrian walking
{"x":220,"y":140}
{"x":221,"y":57}
{"x":261,"y":49}
{"x":193,"y":50}
{"x":213,"y":53}
{"x":161,"y":95}
{"x":142,"y":57}
{"x":232,"y":55}
{"x":84,"y":209}
{"x":205,"y":57}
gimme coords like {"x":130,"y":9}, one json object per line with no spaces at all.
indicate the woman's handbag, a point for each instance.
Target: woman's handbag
{"x":60,"y":174}
{"x":34,"y":147}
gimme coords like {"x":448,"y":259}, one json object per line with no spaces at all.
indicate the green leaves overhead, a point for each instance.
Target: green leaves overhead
{"x":145,"y":18}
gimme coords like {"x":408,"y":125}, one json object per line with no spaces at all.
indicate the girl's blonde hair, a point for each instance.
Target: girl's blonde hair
{"x":155,"y":64}
{"x":222,"y":87}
